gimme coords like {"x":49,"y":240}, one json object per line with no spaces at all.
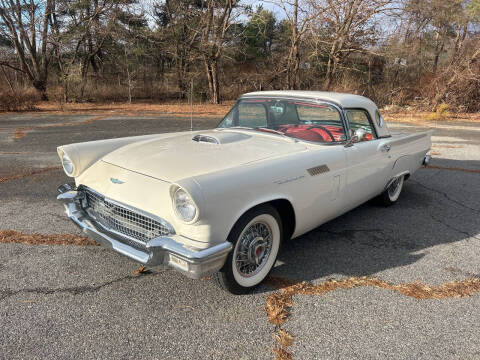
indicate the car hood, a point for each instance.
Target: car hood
{"x":196,"y":153}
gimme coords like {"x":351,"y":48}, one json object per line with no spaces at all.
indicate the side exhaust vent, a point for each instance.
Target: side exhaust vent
{"x":317,"y":170}
{"x":205,"y":139}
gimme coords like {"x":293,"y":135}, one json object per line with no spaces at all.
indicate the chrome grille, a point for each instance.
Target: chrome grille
{"x":123,"y":220}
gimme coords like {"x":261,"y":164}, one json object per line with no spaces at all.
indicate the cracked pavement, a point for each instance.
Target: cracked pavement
{"x":86,"y":302}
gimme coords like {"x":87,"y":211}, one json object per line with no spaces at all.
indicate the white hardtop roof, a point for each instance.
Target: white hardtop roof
{"x":342,"y":99}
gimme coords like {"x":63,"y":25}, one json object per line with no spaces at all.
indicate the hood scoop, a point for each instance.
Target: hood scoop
{"x":220,"y":138}
{"x":206,"y":139}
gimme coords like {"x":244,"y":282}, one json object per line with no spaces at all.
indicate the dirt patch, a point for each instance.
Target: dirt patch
{"x":13,"y":236}
{"x":279,"y":304}
{"x":446,"y":146}
{"x":22,"y":131}
{"x":28,"y":173}
{"x":178,"y":108}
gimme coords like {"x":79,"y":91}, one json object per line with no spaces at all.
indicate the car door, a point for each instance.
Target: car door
{"x":368,"y":159}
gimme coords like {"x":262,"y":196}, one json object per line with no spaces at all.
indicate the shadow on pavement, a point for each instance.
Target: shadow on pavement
{"x":436,"y":207}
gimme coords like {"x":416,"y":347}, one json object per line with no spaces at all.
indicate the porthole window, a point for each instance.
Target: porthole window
{"x":379,"y":119}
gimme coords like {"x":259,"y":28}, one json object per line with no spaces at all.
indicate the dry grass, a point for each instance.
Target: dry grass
{"x":177,"y":109}
{"x":18,"y":100}
{"x":283,"y":338}
{"x":277,"y":307}
{"x":142,"y":270}
{"x":281,"y":353}
{"x":278,"y":304}
{"x":429,"y":118}
{"x":28,"y":173}
{"x":13,"y":236}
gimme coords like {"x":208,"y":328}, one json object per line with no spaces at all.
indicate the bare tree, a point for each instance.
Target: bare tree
{"x":27,"y":25}
{"x":176,"y":35}
{"x":344,"y":27}
{"x":298,"y":15}
{"x":215,"y":32}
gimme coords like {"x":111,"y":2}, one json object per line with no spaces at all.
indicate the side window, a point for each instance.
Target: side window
{"x":360,"y":125}
{"x":252,"y":114}
{"x":283,"y":113}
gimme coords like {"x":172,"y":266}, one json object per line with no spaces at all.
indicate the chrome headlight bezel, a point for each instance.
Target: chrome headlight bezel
{"x":180,"y":197}
{"x":68,"y":165}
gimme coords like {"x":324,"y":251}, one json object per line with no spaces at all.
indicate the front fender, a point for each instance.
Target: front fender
{"x":85,"y":154}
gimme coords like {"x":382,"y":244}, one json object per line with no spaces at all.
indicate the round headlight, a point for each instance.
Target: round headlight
{"x":184,"y":206}
{"x":67,"y":165}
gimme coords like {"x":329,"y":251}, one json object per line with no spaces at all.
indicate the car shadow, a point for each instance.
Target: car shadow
{"x":437,"y":206}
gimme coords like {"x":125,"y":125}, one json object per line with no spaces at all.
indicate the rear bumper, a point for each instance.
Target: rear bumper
{"x":164,"y":250}
{"x":426,"y":160}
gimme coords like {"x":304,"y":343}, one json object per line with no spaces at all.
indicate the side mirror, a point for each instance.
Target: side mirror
{"x":354,"y":136}
{"x":353,"y":139}
{"x":360,"y":134}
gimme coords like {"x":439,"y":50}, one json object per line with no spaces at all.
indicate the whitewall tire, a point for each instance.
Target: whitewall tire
{"x":392,"y":192}
{"x":256,"y":239}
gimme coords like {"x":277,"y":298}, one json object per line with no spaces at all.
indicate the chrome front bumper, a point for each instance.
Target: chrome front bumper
{"x":164,"y":250}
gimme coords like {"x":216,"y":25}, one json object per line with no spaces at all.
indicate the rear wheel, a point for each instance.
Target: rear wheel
{"x":392,"y":192}
{"x":256,"y":239}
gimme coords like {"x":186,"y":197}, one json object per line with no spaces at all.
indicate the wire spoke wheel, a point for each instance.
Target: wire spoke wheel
{"x":256,"y":239}
{"x":254,"y":248}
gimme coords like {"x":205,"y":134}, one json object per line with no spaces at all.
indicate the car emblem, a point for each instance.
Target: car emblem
{"x":116,"y":181}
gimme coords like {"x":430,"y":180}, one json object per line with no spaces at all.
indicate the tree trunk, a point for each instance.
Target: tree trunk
{"x":181,"y":78}
{"x":212,"y":77}
{"x":41,"y":87}
{"x":328,"y":76}
{"x":293,"y":60}
{"x":215,"y":83}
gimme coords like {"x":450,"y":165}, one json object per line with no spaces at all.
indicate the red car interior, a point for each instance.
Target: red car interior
{"x":316,"y":133}
{"x":287,"y":121}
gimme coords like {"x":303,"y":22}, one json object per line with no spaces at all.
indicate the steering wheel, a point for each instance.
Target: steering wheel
{"x":324,"y":129}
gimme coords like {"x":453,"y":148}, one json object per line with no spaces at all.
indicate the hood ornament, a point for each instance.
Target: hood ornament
{"x":116,"y":181}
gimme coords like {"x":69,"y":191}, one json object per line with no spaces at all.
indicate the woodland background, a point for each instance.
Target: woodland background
{"x":421,"y":53}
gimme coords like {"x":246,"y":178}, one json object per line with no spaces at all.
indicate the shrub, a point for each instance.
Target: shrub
{"x":18,"y":100}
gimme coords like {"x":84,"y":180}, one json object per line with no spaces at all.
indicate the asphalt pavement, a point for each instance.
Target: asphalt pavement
{"x":86,"y":302}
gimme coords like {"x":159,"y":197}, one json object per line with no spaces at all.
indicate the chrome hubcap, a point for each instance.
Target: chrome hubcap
{"x":254,"y":248}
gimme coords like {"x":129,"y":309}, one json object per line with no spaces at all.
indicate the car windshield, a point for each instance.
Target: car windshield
{"x":300,"y":119}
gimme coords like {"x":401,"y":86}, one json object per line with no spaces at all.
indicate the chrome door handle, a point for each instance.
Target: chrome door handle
{"x":386,"y":148}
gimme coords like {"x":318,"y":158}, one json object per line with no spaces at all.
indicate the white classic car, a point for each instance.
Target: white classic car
{"x":220,"y":202}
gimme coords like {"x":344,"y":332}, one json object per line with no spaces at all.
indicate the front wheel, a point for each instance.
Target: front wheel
{"x":256,"y":238}
{"x":392,"y":192}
